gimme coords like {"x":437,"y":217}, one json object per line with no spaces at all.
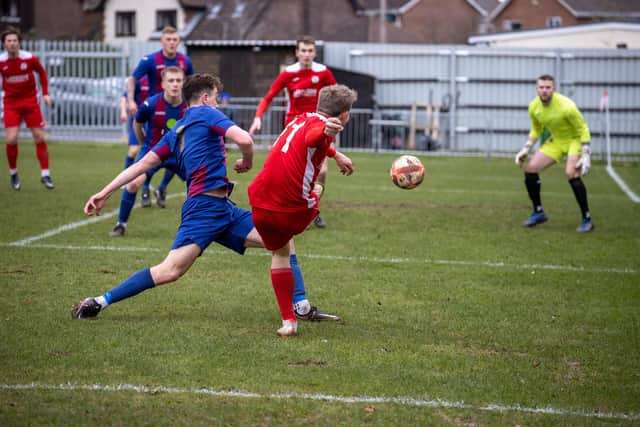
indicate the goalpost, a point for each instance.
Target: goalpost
{"x":604,"y":106}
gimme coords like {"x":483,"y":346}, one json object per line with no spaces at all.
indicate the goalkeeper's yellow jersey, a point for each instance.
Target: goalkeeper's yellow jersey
{"x":561,"y":117}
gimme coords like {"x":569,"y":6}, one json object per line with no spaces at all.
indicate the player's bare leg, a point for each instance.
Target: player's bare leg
{"x":11,"y":149}
{"x":176,"y":264}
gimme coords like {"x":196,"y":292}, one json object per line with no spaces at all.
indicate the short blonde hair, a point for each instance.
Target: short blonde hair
{"x":336,"y":99}
{"x":169,"y":30}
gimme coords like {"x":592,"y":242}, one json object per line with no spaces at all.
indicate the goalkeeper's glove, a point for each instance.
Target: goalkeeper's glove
{"x":584,"y":164}
{"x":524,"y":152}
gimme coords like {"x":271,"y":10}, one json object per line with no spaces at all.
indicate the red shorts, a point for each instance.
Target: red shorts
{"x":14,"y":112}
{"x":277,"y":228}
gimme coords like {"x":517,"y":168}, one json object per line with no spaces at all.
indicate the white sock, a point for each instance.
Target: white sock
{"x":44,"y":172}
{"x":103,"y":302}
{"x":302,"y":307}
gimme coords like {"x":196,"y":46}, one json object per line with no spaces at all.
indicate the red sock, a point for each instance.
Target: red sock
{"x":12,"y":155}
{"x":43,"y":154}
{"x":283,"y":283}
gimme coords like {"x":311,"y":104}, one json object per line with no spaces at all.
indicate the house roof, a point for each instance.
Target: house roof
{"x":484,"y":7}
{"x":573,"y":29}
{"x":399,"y":7}
{"x":589,"y":8}
{"x":279,"y":20}
{"x":602,"y":8}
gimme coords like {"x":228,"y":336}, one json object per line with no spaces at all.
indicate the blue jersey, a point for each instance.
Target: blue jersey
{"x":153,"y":64}
{"x":197,"y":143}
{"x":159,"y":117}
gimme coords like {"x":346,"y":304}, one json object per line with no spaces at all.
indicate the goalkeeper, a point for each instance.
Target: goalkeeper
{"x":569,"y":137}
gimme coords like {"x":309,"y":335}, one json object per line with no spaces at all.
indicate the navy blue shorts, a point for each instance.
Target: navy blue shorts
{"x":207,"y":219}
{"x":132,"y":135}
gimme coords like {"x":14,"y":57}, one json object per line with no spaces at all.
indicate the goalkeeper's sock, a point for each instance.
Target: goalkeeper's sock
{"x":580,"y":191}
{"x":299,"y":292}
{"x":136,"y":283}
{"x":533,"y":184}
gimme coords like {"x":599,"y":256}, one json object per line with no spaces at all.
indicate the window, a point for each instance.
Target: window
{"x":125,"y":24}
{"x":238,"y":11}
{"x":9,"y":11}
{"x":511,"y":25}
{"x":166,"y":18}
{"x":554,"y":21}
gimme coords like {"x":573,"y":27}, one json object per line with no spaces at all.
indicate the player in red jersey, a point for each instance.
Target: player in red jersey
{"x":303,"y":81}
{"x":21,"y":103}
{"x":282,"y":199}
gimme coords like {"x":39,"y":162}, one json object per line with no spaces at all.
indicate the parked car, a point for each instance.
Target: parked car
{"x":84,"y":101}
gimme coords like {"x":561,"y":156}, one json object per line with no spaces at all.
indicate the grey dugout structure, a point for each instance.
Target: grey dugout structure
{"x":482,"y":94}
{"x":467,"y":99}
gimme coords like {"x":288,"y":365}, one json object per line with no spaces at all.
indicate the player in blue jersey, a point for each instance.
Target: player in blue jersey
{"x":157,"y":115}
{"x":152,"y":65}
{"x":196,"y":144}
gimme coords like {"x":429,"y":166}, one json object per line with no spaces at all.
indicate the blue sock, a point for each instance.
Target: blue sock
{"x":168,"y":175}
{"x":128,"y":161}
{"x":126,"y":204}
{"x":135,"y":284}
{"x":146,"y":186}
{"x":299,"y":292}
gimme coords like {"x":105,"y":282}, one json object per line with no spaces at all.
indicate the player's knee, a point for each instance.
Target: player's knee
{"x":169,"y":272}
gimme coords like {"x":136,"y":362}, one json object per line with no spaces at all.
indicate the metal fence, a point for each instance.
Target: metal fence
{"x":484,"y":92}
{"x":481,"y":94}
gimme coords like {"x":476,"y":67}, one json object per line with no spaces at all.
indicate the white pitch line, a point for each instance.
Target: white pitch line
{"x":623,"y":185}
{"x":403,"y":401}
{"x":72,"y":225}
{"x":376,"y":260}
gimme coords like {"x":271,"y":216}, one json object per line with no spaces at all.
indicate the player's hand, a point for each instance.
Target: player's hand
{"x":333,"y":126}
{"x":344,"y":164}
{"x":47,"y":100}
{"x":241,"y":166}
{"x":94,"y":205}
{"x":523,"y":153}
{"x":584,"y":164}
{"x":123,"y":116}
{"x":256,"y":125}
{"x":132,"y":108}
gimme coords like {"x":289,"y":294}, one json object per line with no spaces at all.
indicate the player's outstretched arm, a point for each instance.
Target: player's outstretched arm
{"x":96,"y":202}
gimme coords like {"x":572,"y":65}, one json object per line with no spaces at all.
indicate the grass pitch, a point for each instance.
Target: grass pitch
{"x":453,"y":313}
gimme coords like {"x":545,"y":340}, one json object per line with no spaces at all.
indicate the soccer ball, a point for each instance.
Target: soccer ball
{"x":407,"y":172}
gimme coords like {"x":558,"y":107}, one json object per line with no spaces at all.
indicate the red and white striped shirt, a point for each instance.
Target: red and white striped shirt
{"x":303,"y":86}
{"x":285,"y":183}
{"x":18,"y":80}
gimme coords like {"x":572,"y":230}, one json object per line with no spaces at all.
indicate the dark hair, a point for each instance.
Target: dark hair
{"x":9,"y":31}
{"x":546,"y":77}
{"x":196,"y":84}
{"x":305,"y":40}
{"x":336,"y":99}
